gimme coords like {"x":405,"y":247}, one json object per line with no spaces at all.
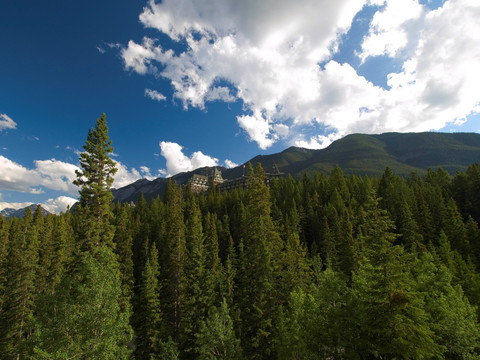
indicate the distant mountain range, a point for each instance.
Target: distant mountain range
{"x":356,"y":154}
{"x":19,"y":213}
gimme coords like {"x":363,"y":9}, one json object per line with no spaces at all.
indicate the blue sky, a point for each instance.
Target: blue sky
{"x":191,"y":83}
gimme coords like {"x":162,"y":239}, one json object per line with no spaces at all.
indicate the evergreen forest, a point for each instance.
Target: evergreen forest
{"x":319,"y":267}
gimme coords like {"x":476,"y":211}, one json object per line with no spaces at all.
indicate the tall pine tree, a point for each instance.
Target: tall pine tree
{"x":84,"y":314}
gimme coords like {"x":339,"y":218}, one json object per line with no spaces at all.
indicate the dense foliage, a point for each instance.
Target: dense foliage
{"x":324,"y":267}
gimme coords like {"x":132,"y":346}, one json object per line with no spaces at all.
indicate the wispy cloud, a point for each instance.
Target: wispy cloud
{"x":102,"y":49}
{"x":6,"y":122}
{"x":154,"y":95}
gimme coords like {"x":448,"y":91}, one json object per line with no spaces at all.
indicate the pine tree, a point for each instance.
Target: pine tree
{"x":230,"y":267}
{"x":46,"y":253}
{"x":64,"y":247}
{"x":196,"y":303}
{"x":95,"y":180}
{"x":3,"y":257}
{"x":176,"y":252}
{"x":388,"y":317}
{"x":123,"y":249}
{"x":16,"y":317}
{"x":83,"y":318}
{"x":148,"y":312}
{"x":452,"y":318}
{"x":141,"y":232}
{"x":213,"y":266}
{"x":314,"y":324}
{"x":259,"y":283}
{"x":455,"y":229}
{"x":216,"y":339}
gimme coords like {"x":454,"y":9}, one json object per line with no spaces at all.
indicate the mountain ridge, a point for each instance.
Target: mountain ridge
{"x":356,"y":154}
{"x":19,"y":213}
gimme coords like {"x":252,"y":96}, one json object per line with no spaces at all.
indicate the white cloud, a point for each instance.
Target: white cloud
{"x":318,"y":142}
{"x":123,"y":176}
{"x":59,"y":204}
{"x":257,"y":128}
{"x":230,"y":164}
{"x":390,"y":27}
{"x":55,"y":206}
{"x":220,"y":93}
{"x":51,"y":174}
{"x":15,"y":205}
{"x":178,"y":162}
{"x":75,"y":151}
{"x":146,"y":173}
{"x":6,"y":122}
{"x":100,"y":49}
{"x":54,"y":175}
{"x":268,"y":54}
{"x":154,"y":95}
{"x":37,"y":191}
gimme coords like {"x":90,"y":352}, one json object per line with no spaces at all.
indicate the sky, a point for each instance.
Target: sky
{"x":192,"y":83}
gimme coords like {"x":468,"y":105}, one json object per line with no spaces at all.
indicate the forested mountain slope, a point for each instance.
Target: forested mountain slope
{"x":326,"y":266}
{"x":356,"y":154}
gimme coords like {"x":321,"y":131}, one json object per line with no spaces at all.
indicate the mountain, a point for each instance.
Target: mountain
{"x":358,"y":154}
{"x":153,"y":188}
{"x":19,"y":213}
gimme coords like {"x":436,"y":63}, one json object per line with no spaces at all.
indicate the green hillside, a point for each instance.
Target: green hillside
{"x":357,"y":154}
{"x":370,"y":154}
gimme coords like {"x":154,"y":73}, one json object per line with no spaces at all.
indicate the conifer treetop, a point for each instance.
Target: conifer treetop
{"x":96,"y":177}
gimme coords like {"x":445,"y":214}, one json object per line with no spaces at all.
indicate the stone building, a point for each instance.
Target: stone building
{"x":199,"y":183}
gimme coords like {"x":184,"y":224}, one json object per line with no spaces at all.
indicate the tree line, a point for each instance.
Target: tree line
{"x":322,"y":267}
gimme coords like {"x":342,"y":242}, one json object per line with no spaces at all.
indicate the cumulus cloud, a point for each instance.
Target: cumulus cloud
{"x":391,"y":27}
{"x":6,"y":122}
{"x":269,"y":56}
{"x":56,"y":175}
{"x":124,"y":176}
{"x":52,"y":174}
{"x":258,"y":129}
{"x":14,"y":205}
{"x":154,"y":95}
{"x":318,"y":141}
{"x":178,"y":162}
{"x":59,"y":204}
{"x":56,"y":206}
{"x":221,"y":93}
{"x":230,"y":164}
{"x":146,"y":173}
